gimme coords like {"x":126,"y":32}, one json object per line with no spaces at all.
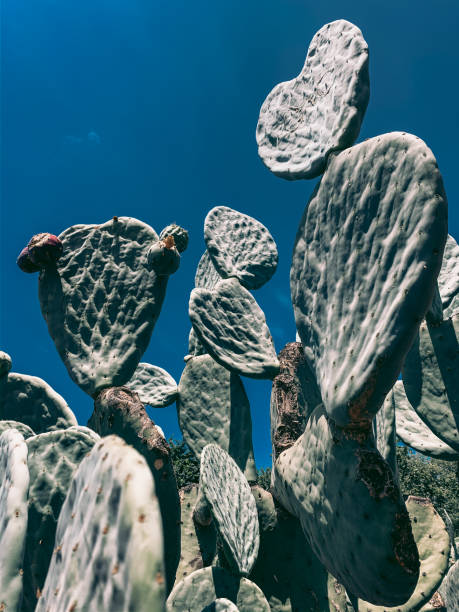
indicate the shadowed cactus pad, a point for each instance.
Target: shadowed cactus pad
{"x":14,"y":493}
{"x":240,"y":246}
{"x":203,"y":587}
{"x":153,"y":385}
{"x":24,"y":430}
{"x":235,"y":512}
{"x":319,"y":111}
{"x":206,"y":275}
{"x":32,"y":401}
{"x":343,"y":492}
{"x":367,"y":254}
{"x":213,"y":407}
{"x":232,"y":327}
{"x":5,"y":363}
{"x":221,"y":605}
{"x":384,"y":427}
{"x":102,"y":301}
{"x":109,"y":546}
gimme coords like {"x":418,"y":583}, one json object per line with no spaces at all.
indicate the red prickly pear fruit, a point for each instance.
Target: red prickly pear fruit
{"x":44,"y":249}
{"x":25,"y":263}
{"x":163,"y":257}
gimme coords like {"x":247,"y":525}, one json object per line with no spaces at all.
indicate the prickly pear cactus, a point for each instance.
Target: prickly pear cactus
{"x":109,"y":545}
{"x":232,"y":327}
{"x":448,"y":279}
{"x":102,"y":301}
{"x":206,"y":274}
{"x":235,"y":512}
{"x":319,"y":111}
{"x":449,"y":589}
{"x":366,"y":258}
{"x":153,"y":385}
{"x":179,"y":235}
{"x":14,"y":493}
{"x":24,"y":430}
{"x":5,"y":364}
{"x":221,"y":605}
{"x":385,"y":433}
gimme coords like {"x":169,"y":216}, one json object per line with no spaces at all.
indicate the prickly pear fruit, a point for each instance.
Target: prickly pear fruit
{"x":25,"y":263}
{"x":179,"y":234}
{"x":44,"y":249}
{"x":163,"y":257}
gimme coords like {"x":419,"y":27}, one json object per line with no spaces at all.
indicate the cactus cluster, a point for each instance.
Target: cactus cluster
{"x":91,"y":517}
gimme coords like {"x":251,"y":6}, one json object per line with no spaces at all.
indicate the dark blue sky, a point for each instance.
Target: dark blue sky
{"x":172,"y":91}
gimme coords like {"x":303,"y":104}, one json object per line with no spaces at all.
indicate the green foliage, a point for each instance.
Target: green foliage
{"x":186,"y":465}
{"x":430,"y":478}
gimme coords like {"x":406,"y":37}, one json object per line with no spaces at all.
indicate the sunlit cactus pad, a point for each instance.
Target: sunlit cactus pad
{"x":367,"y":254}
{"x":319,"y":111}
{"x":23,"y":429}
{"x":448,"y":279}
{"x":449,"y":590}
{"x":351,"y":511}
{"x":195,"y":346}
{"x":32,"y":401}
{"x":206,"y":274}
{"x":232,"y":327}
{"x":203,"y":587}
{"x":109,"y":545}
{"x":153,"y":385}
{"x":102,"y":301}
{"x":52,"y":458}
{"x":240,"y":246}
{"x":234,"y":511}
{"x":14,"y":494}
{"x":431,"y":378}
{"x":432,"y":540}
{"x":213,"y":407}
{"x":119,"y":411}
{"x":412,"y":430}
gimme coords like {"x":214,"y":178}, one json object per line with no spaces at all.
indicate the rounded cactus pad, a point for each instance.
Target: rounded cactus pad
{"x":179,"y":234}
{"x":432,"y":541}
{"x":32,"y":401}
{"x":213,"y":406}
{"x":344,"y":493}
{"x":153,"y":385}
{"x":102,"y":301}
{"x":319,"y":111}
{"x":25,"y":263}
{"x":206,"y":275}
{"x":44,"y":249}
{"x":431,"y":378}
{"x":204,"y":586}
{"x":109,"y":545}
{"x":24,"y":430}
{"x":412,"y":430}
{"x":235,"y":512}
{"x":232,"y":327}
{"x":14,"y":494}
{"x":5,"y":363}
{"x":366,"y":258}
{"x":240,"y":246}
{"x":163,"y":257}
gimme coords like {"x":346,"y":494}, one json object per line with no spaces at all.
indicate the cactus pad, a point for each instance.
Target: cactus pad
{"x":221,"y":605}
{"x":109,"y":544}
{"x":343,"y":491}
{"x":53,"y":458}
{"x":365,"y":263}
{"x":14,"y":492}
{"x":235,"y":512}
{"x":195,"y":347}
{"x":206,"y":274}
{"x":449,"y":589}
{"x":412,"y":430}
{"x":23,"y":429}
{"x":448,"y":279}
{"x":102,"y":301}
{"x":203,"y":587}
{"x":432,"y":540}
{"x":240,"y":246}
{"x":119,"y":411}
{"x":213,"y":407}
{"x":5,"y":363}
{"x":232,"y":327}
{"x":32,"y":401}
{"x":319,"y":111}
{"x":153,"y":385}
{"x":385,"y":435}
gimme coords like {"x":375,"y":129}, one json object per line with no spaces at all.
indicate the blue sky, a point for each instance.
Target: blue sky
{"x":149,"y":109}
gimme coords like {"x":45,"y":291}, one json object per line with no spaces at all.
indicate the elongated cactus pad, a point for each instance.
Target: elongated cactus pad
{"x":319,"y":111}
{"x":235,"y":511}
{"x":293,"y":398}
{"x":449,"y":589}
{"x":232,"y":327}
{"x":203,"y":587}
{"x":366,"y":258}
{"x":432,"y":541}
{"x":448,"y":279}
{"x":198,"y":542}
{"x":431,"y":378}
{"x":385,"y":434}
{"x":206,"y":274}
{"x":240,"y":246}
{"x":53,"y":458}
{"x":153,"y":385}
{"x":109,"y":545}
{"x":102,"y":301}
{"x":24,"y":430}
{"x":412,"y":430}
{"x":14,"y":493}
{"x":32,"y":401}
{"x":119,"y":411}
{"x":343,"y":491}
{"x":213,"y":406}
